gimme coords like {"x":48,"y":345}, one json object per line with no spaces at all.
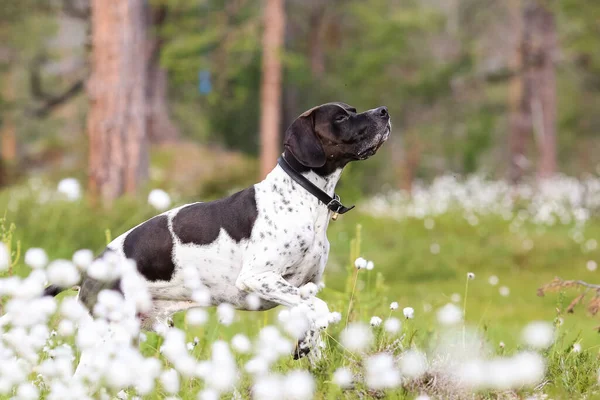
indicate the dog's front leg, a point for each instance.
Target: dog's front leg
{"x":270,"y":286}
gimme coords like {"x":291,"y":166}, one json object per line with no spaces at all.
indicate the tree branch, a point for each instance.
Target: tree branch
{"x":49,"y":100}
{"x":72,"y":10}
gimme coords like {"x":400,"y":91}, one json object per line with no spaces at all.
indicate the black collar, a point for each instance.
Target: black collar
{"x":332,"y":203}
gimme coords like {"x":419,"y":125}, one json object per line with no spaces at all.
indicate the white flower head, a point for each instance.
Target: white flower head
{"x":360,"y":263}
{"x":159,"y":199}
{"x":577,"y":348}
{"x":309,"y":290}
{"x":70,"y":188}
{"x":392,"y":325}
{"x":253,"y":301}
{"x":196,"y":317}
{"x":493,"y":280}
{"x":375,"y":321}
{"x":449,"y":314}
{"x":394,"y":306}
{"x":470,"y":275}
{"x":343,"y":377}
{"x":63,"y":273}
{"x":36,"y":258}
{"x":413,"y":364}
{"x":4,"y":257}
{"x":356,"y":337}
{"x":539,"y":334}
{"x":83,"y":258}
{"x":170,"y":381}
{"x":591,"y":265}
{"x":226,"y":313}
{"x":381,"y":372}
{"x":335,"y":317}
{"x":409,"y":312}
{"x":241,"y":343}
{"x":370,"y":265}
{"x":298,"y":385}
{"x":504,"y":291}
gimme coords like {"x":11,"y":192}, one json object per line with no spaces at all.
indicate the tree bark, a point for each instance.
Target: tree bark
{"x":519,"y":98}
{"x":543,"y":80}
{"x":273,"y":36}
{"x":161,"y":128}
{"x":117,"y":91}
{"x":9,"y":130}
{"x":315,"y":40}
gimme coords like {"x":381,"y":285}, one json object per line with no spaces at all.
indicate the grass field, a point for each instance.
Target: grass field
{"x":420,"y":262}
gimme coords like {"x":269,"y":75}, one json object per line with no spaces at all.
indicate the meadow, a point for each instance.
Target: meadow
{"x":463,"y":260}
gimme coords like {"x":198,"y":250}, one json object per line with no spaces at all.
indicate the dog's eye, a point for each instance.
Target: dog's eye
{"x":341,"y":118}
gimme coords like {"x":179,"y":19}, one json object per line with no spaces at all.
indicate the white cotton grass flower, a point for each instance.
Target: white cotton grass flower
{"x":538,"y":334}
{"x":360,"y":263}
{"x":577,"y":348}
{"x":413,"y":364}
{"x":449,"y":314}
{"x":381,"y":372}
{"x":196,"y":317}
{"x":409,"y":312}
{"x":591,"y":265}
{"x":268,"y":387}
{"x":4,"y":257}
{"x":253,"y":301}
{"x":225,"y":313}
{"x":591,"y":245}
{"x":504,"y":291}
{"x":35,"y":258}
{"x":83,"y":258}
{"x":70,"y":188}
{"x":493,"y":280}
{"x":169,"y":380}
{"x":455,"y":297}
{"x":357,"y":337}
{"x":422,"y":397}
{"x":208,"y":394}
{"x":63,"y":273}
{"x":27,"y":391}
{"x":429,"y":224}
{"x":335,"y":317}
{"x":435,"y":248}
{"x":470,"y":275}
{"x":392,"y":325}
{"x":375,"y":321}
{"x":370,"y":265}
{"x":298,"y":385}
{"x":241,"y":343}
{"x":159,"y":199}
{"x":309,"y":290}
{"x":343,"y":377}
{"x":394,"y":306}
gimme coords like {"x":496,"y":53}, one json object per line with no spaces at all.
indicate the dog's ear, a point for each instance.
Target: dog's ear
{"x":302,"y":141}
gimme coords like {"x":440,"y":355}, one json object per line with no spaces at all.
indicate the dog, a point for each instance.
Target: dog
{"x":268,"y":240}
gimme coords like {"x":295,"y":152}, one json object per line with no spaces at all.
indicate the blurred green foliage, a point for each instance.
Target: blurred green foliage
{"x":442,"y":68}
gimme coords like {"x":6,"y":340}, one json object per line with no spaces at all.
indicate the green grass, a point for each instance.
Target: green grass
{"x":405,"y":271}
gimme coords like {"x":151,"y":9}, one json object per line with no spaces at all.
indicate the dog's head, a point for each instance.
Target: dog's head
{"x":329,"y":136}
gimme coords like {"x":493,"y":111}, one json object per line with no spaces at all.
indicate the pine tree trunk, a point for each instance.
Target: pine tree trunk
{"x":543,"y":79}
{"x":117,"y":91}
{"x":519,"y":99}
{"x":9,"y":131}
{"x":161,"y":128}
{"x":273,"y":36}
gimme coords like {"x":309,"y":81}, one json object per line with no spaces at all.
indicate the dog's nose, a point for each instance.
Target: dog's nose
{"x":383,"y":112}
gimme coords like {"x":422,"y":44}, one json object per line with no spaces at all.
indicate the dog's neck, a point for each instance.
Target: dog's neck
{"x":326,"y":183}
